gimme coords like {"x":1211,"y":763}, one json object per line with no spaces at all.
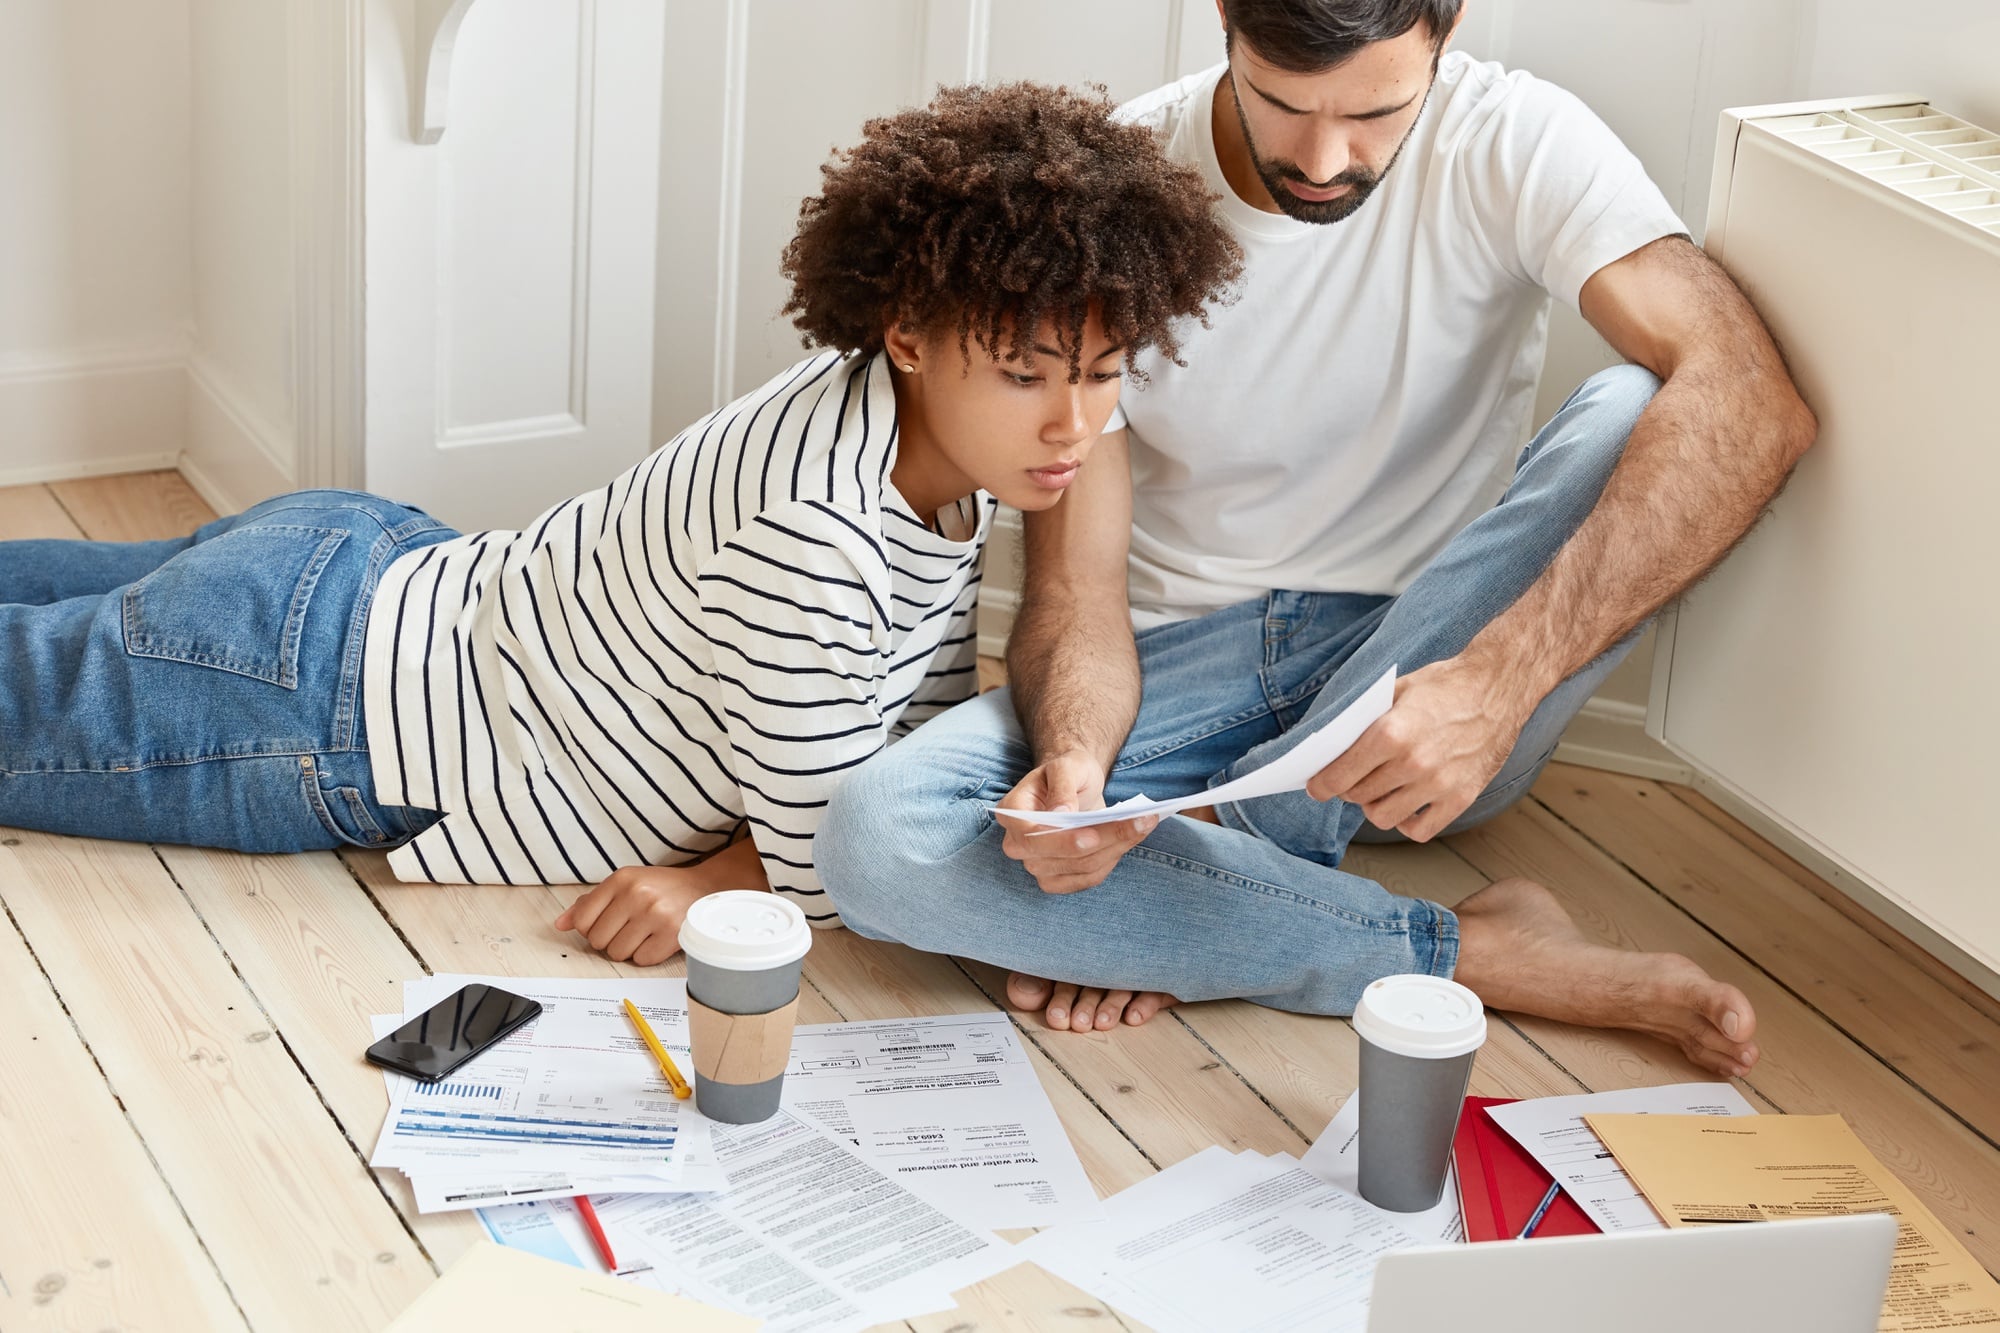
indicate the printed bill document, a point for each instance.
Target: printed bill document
{"x":949,"y":1106}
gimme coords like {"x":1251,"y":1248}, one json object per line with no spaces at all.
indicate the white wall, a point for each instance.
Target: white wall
{"x":145,"y":241}
{"x":1946,"y":50}
{"x":95,"y":267}
{"x":241,"y":423}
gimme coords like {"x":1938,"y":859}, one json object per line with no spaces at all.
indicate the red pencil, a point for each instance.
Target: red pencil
{"x":603,"y":1241}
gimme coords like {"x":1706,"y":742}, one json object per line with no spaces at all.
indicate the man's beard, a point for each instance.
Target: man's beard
{"x":1360,"y":180}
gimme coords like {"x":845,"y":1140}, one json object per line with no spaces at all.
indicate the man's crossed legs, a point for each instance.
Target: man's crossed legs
{"x":1255,"y":904}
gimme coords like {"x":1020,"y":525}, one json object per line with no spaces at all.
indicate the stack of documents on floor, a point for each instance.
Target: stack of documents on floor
{"x":1234,"y":1241}
{"x":570,"y":1104}
{"x":904,"y":1144}
{"x":1247,"y":1242}
{"x":1244,"y":1242}
{"x":809,"y":1235}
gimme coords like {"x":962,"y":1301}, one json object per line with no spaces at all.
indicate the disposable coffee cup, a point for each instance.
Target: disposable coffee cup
{"x":743,"y":951}
{"x":1419,"y":1035}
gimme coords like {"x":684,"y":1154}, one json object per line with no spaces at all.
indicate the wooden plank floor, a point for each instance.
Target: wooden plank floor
{"x":184,"y":1114}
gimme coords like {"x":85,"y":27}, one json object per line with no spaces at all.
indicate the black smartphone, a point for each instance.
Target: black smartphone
{"x":449,"y":1033}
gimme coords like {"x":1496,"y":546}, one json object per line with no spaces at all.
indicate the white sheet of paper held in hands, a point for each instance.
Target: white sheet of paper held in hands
{"x":1290,"y":771}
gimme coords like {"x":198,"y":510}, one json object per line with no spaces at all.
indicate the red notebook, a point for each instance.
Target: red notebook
{"x":1499,"y":1184}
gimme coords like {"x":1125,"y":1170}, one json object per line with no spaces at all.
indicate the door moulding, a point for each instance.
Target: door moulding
{"x":328,"y":68}
{"x":438,"y":22}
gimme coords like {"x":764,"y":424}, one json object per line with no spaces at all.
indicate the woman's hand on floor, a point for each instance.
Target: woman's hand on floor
{"x":636,"y":914}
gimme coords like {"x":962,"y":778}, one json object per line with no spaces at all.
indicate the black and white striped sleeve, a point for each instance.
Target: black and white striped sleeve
{"x":795,"y":608}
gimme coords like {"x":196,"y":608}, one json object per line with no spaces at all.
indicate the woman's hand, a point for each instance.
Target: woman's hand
{"x":636,"y":914}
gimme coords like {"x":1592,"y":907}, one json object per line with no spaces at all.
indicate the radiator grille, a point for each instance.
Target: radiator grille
{"x":1948,"y":164}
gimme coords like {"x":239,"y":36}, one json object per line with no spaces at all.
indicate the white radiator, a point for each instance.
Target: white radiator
{"x":1837,"y":674}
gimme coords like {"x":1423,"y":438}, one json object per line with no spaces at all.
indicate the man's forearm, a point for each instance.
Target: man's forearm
{"x":1071,"y":663}
{"x":1709,"y":452}
{"x":1074,"y":674}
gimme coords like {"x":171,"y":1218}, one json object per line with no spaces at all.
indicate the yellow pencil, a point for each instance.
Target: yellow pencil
{"x":674,"y":1079}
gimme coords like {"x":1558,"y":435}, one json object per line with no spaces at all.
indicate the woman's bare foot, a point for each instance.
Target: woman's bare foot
{"x":1519,"y":950}
{"x":1083,"y":1008}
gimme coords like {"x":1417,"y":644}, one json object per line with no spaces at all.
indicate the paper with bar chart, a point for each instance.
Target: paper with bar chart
{"x":570,"y":1092}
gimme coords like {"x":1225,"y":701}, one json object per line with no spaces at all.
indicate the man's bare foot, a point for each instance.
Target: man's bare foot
{"x":1083,"y":1008}
{"x":1519,"y":950}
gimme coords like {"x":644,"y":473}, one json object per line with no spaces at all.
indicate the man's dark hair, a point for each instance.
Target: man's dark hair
{"x":1307,"y":36}
{"x":995,"y":212}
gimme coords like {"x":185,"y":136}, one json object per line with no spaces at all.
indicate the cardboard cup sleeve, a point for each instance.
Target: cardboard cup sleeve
{"x":741,"y":1048}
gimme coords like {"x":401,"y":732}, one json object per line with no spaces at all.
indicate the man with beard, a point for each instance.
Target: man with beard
{"x":1331,"y":485}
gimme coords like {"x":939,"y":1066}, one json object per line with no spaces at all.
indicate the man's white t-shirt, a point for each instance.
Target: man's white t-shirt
{"x":1366,"y":396}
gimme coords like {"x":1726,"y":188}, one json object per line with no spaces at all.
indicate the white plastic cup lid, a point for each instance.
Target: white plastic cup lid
{"x":745,"y":930}
{"x":1429,"y":1018}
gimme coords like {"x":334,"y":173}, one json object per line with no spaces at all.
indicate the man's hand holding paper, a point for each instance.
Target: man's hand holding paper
{"x":1067,"y":860}
{"x":1423,"y":763}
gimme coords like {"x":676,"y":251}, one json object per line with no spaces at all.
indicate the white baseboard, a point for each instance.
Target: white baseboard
{"x":100,"y":412}
{"x":92,"y":413}
{"x":232,"y":457}
{"x":1611,"y":735}
{"x":37,"y":474}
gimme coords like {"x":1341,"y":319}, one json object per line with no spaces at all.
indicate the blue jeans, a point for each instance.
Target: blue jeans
{"x":203,"y":690}
{"x":1259,"y":907}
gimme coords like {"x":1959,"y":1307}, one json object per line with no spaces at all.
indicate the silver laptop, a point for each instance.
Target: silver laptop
{"x":1825,"y":1274}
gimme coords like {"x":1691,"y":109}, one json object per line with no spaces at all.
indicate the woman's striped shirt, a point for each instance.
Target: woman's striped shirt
{"x":714,"y":638}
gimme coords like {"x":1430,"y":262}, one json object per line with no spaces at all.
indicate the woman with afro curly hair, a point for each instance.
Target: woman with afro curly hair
{"x":697,"y":650}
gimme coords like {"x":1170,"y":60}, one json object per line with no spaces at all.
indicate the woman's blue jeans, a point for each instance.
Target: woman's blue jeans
{"x":203,"y":690}
{"x":1257,"y":908}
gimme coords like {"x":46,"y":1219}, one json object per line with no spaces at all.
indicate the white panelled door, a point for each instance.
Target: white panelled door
{"x":586,"y":257}
{"x":510,"y":264}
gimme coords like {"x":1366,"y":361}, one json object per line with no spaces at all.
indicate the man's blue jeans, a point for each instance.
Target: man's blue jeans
{"x":1259,"y":907}
{"x":203,"y":690}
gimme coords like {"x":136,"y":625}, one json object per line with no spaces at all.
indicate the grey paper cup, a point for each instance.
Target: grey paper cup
{"x":1419,"y":1035}
{"x":743,"y":948}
